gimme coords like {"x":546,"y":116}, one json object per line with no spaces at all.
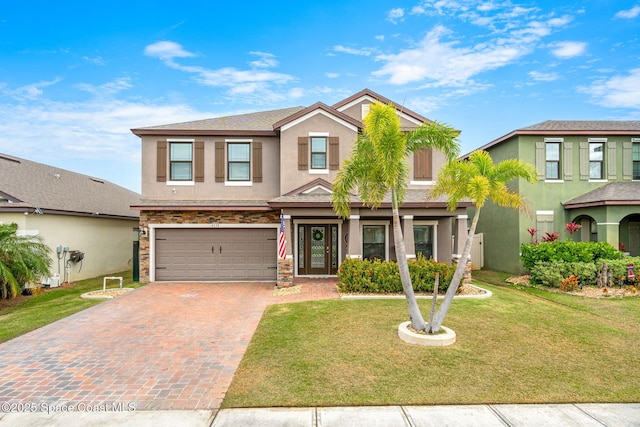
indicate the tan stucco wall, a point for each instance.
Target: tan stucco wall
{"x":107,"y":243}
{"x":292,"y":178}
{"x":265,"y":190}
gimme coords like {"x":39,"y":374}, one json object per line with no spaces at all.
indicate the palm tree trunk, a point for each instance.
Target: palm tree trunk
{"x":457,"y":278}
{"x":417,"y":321}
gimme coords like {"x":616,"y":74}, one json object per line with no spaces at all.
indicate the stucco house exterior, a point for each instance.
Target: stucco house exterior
{"x":213,"y":192}
{"x":588,"y":173}
{"x":74,"y":212}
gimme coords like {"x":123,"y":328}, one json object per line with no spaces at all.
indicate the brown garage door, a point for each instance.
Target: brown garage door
{"x":223,"y":254}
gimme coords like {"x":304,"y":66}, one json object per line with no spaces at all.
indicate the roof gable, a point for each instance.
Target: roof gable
{"x":318,"y":108}
{"x":371,"y":96}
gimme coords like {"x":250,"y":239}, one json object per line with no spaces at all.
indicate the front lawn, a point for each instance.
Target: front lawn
{"x":518,"y":346}
{"x":32,"y":312}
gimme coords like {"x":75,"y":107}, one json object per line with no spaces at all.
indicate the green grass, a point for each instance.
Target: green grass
{"x":520,"y":346}
{"x":34,"y":312}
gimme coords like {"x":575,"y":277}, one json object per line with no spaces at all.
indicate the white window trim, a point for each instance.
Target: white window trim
{"x":386,"y":236}
{"x":185,"y":183}
{"x":554,"y":181}
{"x":435,"y":234}
{"x":554,"y":140}
{"x":319,"y":171}
{"x":228,"y":183}
{"x":545,"y":212}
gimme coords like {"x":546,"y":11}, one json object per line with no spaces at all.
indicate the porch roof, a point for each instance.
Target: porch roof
{"x":416,"y":198}
{"x":615,"y":193}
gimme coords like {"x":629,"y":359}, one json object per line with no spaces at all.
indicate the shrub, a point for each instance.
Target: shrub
{"x":551,"y":273}
{"x":569,"y":284}
{"x":567,"y":251}
{"x":364,"y":276}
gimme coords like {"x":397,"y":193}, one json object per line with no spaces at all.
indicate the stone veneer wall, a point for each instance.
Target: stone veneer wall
{"x":195,"y":217}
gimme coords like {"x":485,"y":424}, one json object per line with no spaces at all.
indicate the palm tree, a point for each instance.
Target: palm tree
{"x":22,"y":260}
{"x":378,"y":165}
{"x":479,"y":180}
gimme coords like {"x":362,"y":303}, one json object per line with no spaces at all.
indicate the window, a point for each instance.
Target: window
{"x":423,"y":240}
{"x":238,"y":161}
{"x":636,"y":160}
{"x":318,"y":152}
{"x":596,"y":160}
{"x":373,"y":241}
{"x":552,"y":158}
{"x":181,"y":163}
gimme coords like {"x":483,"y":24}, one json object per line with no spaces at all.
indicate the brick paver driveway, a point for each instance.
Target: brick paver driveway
{"x":163,"y":346}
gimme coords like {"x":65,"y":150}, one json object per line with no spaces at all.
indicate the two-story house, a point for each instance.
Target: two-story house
{"x":213,"y":192}
{"x":588,"y":173}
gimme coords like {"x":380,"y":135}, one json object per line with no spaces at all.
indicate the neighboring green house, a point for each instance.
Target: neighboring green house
{"x":588,"y":173}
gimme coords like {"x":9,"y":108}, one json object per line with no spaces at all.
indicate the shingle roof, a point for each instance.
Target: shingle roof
{"x":27,"y":185}
{"x":615,"y":193}
{"x":257,"y":122}
{"x":585,"y":125}
{"x":571,"y":127}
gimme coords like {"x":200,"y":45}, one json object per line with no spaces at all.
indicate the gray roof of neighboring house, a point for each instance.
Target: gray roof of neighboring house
{"x":261,"y":122}
{"x":27,"y":186}
{"x":614,"y":193}
{"x":572,"y":127}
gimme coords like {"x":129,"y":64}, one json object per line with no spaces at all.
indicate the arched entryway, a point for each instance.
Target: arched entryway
{"x":588,"y":231}
{"x":630,"y":234}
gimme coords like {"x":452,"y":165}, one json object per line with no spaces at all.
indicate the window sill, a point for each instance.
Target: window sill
{"x":177,"y":183}
{"x":319,"y":171}
{"x":238,"y":184}
{"x":554,"y":181}
{"x":598,"y":180}
{"x":422,"y":183}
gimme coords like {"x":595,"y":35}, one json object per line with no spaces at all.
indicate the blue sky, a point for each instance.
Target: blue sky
{"x":76,"y":76}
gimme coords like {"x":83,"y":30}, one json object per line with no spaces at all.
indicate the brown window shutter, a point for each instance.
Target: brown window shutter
{"x":199,"y":161}
{"x":303,"y":153}
{"x":257,"y":161}
{"x":422,"y":165}
{"x":161,"y":161}
{"x":220,"y":161}
{"x":334,"y":153}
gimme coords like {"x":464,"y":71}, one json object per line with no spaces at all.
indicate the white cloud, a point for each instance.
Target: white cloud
{"x":332,"y":75}
{"x":621,"y":91}
{"x":445,"y":63}
{"x":353,"y":51}
{"x":568,"y":49}
{"x":395,"y":15}
{"x":109,"y":88}
{"x":238,"y":82}
{"x":267,"y":60}
{"x":29,"y":92}
{"x":543,"y":77}
{"x":167,"y":51}
{"x":629,"y":14}
{"x":444,"y":58}
{"x":379,"y":37}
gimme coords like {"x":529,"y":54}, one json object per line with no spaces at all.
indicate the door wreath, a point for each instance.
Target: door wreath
{"x":318,"y":235}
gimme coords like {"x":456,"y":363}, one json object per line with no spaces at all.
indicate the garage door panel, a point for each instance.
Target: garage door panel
{"x":216,"y":254}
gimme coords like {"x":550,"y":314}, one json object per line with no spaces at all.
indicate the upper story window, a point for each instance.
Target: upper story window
{"x":636,"y":161}
{"x":596,"y":160}
{"x":238,"y":161}
{"x":552,"y":160}
{"x":180,"y":161}
{"x":318,"y":152}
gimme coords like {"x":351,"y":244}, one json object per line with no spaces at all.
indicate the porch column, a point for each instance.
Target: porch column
{"x":609,"y":232}
{"x":285,"y":266}
{"x":355,"y":241}
{"x":409,"y":244}
{"x":461,"y":234}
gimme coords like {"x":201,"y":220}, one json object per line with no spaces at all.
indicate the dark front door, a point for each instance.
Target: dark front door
{"x":317,"y":249}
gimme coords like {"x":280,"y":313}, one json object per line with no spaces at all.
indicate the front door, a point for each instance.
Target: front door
{"x":317,"y":249}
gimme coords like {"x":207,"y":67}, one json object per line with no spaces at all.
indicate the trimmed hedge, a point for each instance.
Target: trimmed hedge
{"x":551,"y":273}
{"x":566,"y":251}
{"x":364,"y":276}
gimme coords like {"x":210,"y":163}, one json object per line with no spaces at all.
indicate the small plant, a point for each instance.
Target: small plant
{"x":622,"y":247}
{"x":572,"y":227}
{"x":532,"y":231}
{"x":550,"y":237}
{"x":605,"y":292}
{"x":570,"y":284}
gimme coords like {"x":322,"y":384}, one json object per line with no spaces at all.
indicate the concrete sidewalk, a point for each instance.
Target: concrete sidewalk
{"x":582,"y":415}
